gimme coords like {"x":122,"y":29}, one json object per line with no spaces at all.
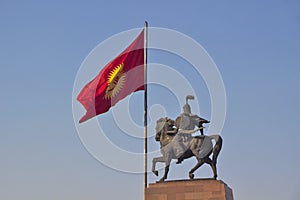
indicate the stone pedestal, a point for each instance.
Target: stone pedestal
{"x":198,"y":189}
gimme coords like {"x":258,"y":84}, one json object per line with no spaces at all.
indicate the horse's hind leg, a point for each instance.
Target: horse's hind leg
{"x":212,"y":165}
{"x":199,"y":164}
{"x":216,"y":150}
{"x":154,"y":161}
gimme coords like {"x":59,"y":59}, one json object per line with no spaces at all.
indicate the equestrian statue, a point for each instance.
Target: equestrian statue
{"x":177,"y":142}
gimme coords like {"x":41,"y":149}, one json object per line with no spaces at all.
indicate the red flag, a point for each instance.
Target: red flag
{"x":118,"y":79}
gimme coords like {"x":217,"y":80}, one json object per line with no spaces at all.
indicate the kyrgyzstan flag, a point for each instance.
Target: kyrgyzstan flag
{"x":118,"y":79}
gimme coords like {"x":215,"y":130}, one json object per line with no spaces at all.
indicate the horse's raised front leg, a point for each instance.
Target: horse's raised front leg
{"x":154,"y":161}
{"x":199,"y":164}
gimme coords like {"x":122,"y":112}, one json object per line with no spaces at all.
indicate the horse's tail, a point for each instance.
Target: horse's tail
{"x":217,"y":147}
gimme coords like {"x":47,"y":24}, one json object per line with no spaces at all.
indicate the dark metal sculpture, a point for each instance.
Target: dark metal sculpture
{"x":177,"y":143}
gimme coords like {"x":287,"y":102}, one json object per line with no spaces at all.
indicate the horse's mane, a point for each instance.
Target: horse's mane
{"x":160,"y":124}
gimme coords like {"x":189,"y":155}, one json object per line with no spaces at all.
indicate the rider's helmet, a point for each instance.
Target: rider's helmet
{"x":186,"y":108}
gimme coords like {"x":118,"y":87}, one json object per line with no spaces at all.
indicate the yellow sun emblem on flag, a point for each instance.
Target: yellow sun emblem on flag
{"x":115,"y":81}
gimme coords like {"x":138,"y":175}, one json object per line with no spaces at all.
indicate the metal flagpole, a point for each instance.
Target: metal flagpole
{"x":145,"y":105}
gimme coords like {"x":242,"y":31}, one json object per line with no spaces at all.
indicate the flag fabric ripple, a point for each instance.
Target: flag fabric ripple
{"x":118,"y":79}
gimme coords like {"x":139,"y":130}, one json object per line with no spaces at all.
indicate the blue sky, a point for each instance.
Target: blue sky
{"x":255,"y":45}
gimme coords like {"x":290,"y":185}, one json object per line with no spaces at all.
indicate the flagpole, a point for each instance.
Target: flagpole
{"x":145,"y":106}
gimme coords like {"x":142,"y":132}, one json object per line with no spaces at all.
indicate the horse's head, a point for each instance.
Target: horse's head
{"x":158,"y":128}
{"x":169,"y":125}
{"x":162,"y":126}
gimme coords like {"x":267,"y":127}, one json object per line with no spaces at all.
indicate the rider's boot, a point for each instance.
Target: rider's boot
{"x":179,"y":160}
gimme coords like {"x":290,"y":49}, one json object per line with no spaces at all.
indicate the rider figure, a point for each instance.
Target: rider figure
{"x":188,"y":121}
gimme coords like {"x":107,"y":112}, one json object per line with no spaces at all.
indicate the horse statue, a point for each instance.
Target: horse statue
{"x":200,"y":146}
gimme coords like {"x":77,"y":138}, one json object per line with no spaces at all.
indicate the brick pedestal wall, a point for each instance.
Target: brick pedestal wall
{"x":198,"y":189}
